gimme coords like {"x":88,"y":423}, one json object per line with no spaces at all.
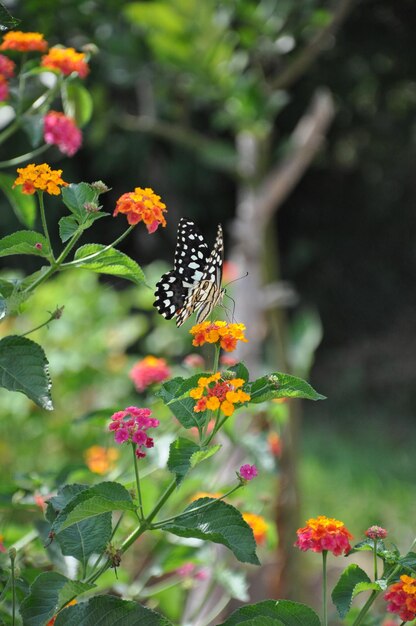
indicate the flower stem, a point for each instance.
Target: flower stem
{"x":44,"y":223}
{"x":24,"y":157}
{"x":96,"y":254}
{"x":12,"y":555}
{"x":53,"y":316}
{"x":375,"y":559}
{"x":136,"y":471}
{"x":365,"y":608}
{"x":216,"y":358}
{"x":324,"y":588}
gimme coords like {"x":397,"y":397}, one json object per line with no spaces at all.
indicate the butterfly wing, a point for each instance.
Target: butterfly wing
{"x":207,"y":291}
{"x":189,"y":265}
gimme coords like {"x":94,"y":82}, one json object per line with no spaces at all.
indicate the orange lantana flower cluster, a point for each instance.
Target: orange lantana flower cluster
{"x":206,"y":494}
{"x":100,"y":460}
{"x":223,"y":332}
{"x":401,"y":598}
{"x":214,"y":393}
{"x":324,"y":533}
{"x":142,"y":205}
{"x":66,"y":61}
{"x":24,"y":42}
{"x":39,"y":177}
{"x":258,"y":525}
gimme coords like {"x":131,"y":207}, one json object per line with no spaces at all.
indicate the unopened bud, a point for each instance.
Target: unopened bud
{"x":38,"y":246}
{"x":91,"y":207}
{"x":228,"y":375}
{"x":273,"y":380}
{"x":100,"y":187}
{"x":57,"y":314}
{"x":12,"y":553}
{"x":90,"y":48}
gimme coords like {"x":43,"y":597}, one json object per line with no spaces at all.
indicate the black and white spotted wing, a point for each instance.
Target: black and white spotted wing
{"x":180,"y":292}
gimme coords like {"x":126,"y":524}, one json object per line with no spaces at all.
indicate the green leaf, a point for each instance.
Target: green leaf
{"x":49,"y":593}
{"x":24,"y":242}
{"x":24,"y":368}
{"x":282,"y":386}
{"x":33,"y":125}
{"x":108,"y":611}
{"x":286,"y":612}
{"x":7,"y":22}
{"x":379,"y":585}
{"x":84,"y":538}
{"x":24,"y":205}
{"x":75,"y":196}
{"x":90,"y":503}
{"x":78,"y":103}
{"x":109,"y":261}
{"x":409,"y":561}
{"x":185,"y":454}
{"x":240,"y":371}
{"x":68,"y":226}
{"x":182,"y":409}
{"x":343,"y":591}
{"x":6,"y":288}
{"x":218,"y":522}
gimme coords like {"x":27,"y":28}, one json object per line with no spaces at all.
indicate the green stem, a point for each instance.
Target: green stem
{"x":216,"y":358}
{"x":218,"y":425}
{"x":53,"y":316}
{"x":375,"y":559}
{"x":12,"y":555}
{"x":324,"y":588}
{"x":9,"y":130}
{"x":24,"y":157}
{"x":93,"y":256}
{"x":136,"y":471}
{"x":21,"y":86}
{"x":44,"y":223}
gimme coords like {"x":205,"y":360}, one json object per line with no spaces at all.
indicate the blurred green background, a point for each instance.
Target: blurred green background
{"x":174,"y":84}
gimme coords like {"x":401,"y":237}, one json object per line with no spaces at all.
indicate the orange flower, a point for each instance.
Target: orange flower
{"x":142,"y":205}
{"x":205,"y":494}
{"x":66,"y":61}
{"x":214,"y":393}
{"x":323,"y":533}
{"x":24,"y":42}
{"x":275,"y":444}
{"x":258,"y":525}
{"x":402,"y":598}
{"x":223,"y":332}
{"x":100,"y":460}
{"x":41,"y":177}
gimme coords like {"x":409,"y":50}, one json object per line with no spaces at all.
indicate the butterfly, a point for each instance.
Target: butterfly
{"x":194,"y":284}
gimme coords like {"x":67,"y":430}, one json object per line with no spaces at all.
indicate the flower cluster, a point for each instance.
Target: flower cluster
{"x":323,"y":533}
{"x":6,"y":71}
{"x":258,"y":525}
{"x":214,"y":393}
{"x":213,"y":332}
{"x":248,"y":472}
{"x":24,"y":42}
{"x":142,"y":205}
{"x":66,"y":61}
{"x":60,"y":130}
{"x":131,"y":425}
{"x":401,"y":598}
{"x":190,"y":570}
{"x":148,"y":371}
{"x":39,"y":177}
{"x":205,"y":494}
{"x":376,"y":532}
{"x":100,"y":460}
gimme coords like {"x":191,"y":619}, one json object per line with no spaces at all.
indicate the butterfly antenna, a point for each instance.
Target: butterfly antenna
{"x":235,"y":280}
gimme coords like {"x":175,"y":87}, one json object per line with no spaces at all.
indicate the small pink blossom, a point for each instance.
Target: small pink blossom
{"x":131,"y":425}
{"x":60,"y":130}
{"x":185,"y":570}
{"x":376,"y":532}
{"x":148,"y":371}
{"x":38,"y":246}
{"x":194,"y":361}
{"x":248,"y":472}
{"x":228,"y":361}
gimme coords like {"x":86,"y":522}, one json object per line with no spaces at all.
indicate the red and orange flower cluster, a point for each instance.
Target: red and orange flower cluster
{"x":213,"y":332}
{"x":323,"y":533}
{"x":39,"y":178}
{"x":142,"y":205}
{"x":148,"y":371}
{"x":215,"y":393}
{"x":401,"y":598}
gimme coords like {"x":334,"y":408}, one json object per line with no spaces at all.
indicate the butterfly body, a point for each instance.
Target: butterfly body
{"x":194,"y":284}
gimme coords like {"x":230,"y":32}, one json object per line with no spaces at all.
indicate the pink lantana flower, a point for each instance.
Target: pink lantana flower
{"x":60,"y":130}
{"x":148,"y":371}
{"x":324,"y":533}
{"x":132,"y":425}
{"x":248,"y":472}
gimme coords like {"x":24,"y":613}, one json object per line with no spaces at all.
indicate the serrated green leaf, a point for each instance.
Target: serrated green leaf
{"x":343,"y":591}
{"x":24,"y":368}
{"x":84,"y":538}
{"x":180,"y":454}
{"x":48,"y":594}
{"x":182,"y":409}
{"x":7,"y":21}
{"x":24,"y":242}
{"x":287,"y":612}
{"x":110,"y":261}
{"x":240,"y":371}
{"x":282,"y":386}
{"x":78,"y":103}
{"x":75,"y":196}
{"x":218,"y":522}
{"x":409,"y":562}
{"x":108,"y":611}
{"x":90,"y":503}
{"x":376,"y":586}
{"x":204,"y":454}
{"x":23,"y":205}
{"x":68,"y":226}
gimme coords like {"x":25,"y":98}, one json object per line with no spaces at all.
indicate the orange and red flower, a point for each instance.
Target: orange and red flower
{"x":323,"y":533}
{"x":6,"y":66}
{"x":142,"y":205}
{"x":401,"y":598}
{"x":66,"y":61}
{"x":100,"y":460}
{"x":258,"y":525}
{"x":213,"y":332}
{"x":39,"y":177}
{"x":148,"y":371}
{"x":24,"y":42}
{"x":215,"y":393}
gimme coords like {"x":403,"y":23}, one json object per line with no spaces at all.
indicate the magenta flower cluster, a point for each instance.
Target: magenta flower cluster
{"x":248,"y":472}
{"x":60,"y":130}
{"x":131,"y":425}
